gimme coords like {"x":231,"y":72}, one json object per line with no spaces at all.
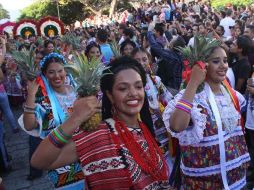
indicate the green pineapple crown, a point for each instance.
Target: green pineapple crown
{"x":115,"y":48}
{"x":71,"y":39}
{"x":87,"y":74}
{"x":201,"y":50}
{"x":25,"y":61}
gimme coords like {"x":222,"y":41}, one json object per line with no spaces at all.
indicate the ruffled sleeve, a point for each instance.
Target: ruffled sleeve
{"x":193,"y":134}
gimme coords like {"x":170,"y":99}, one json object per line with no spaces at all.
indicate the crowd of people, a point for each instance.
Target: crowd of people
{"x":159,"y":129}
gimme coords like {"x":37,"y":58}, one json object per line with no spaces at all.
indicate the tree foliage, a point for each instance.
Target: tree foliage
{"x":3,"y":13}
{"x":223,"y":3}
{"x":70,"y":11}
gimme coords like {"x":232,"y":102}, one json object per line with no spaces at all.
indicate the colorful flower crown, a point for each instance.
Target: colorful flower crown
{"x":52,"y":55}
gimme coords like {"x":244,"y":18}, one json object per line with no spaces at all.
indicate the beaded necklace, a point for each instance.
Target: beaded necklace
{"x":149,"y":160}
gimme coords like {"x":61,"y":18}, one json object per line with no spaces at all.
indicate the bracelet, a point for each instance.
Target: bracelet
{"x":27,"y":107}
{"x":57,"y":138}
{"x":29,"y":111}
{"x":63,"y":133}
{"x":54,"y":141}
{"x":184,"y":105}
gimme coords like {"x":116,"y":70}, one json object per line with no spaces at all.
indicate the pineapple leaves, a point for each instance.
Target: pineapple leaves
{"x":200,"y":51}
{"x":86,"y":73}
{"x":115,"y":48}
{"x":72,"y":39}
{"x":25,"y":61}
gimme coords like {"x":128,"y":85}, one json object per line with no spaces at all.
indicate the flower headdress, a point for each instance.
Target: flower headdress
{"x":52,"y":55}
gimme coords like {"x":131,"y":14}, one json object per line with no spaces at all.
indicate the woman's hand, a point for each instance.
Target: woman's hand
{"x":84,"y":108}
{"x":32,"y":88}
{"x":197,"y":75}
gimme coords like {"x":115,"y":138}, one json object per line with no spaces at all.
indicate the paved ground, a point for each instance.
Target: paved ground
{"x":17,"y":146}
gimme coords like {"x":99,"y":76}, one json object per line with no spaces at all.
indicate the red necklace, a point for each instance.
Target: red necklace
{"x":147,"y":160}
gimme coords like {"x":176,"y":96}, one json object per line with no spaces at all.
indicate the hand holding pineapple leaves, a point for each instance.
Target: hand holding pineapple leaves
{"x":198,"y":75}
{"x":32,"y":88}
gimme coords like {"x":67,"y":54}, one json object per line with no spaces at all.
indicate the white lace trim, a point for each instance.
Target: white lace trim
{"x":232,"y":164}
{"x":193,"y":134}
{"x":214,"y":140}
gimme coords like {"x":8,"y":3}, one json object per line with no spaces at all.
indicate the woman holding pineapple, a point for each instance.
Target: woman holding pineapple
{"x":121,"y":152}
{"x":49,"y":103}
{"x":206,"y":119}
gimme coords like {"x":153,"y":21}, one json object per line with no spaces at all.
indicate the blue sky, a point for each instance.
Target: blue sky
{"x":14,"y":7}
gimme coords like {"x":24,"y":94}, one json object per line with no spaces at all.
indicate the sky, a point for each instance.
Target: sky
{"x":14,"y":7}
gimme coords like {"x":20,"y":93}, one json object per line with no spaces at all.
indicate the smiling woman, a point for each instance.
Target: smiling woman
{"x":122,"y":152}
{"x":208,"y":126}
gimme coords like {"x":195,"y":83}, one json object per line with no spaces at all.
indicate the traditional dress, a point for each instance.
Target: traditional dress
{"x":158,"y":97}
{"x":48,"y":118}
{"x":108,"y":164}
{"x":213,"y":148}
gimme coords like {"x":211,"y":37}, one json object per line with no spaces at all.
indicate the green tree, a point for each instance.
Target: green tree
{"x":100,"y":6}
{"x":3,"y":13}
{"x":70,"y":11}
{"x":222,"y":3}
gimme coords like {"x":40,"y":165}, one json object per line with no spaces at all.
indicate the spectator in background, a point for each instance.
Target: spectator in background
{"x":249,"y":31}
{"x":126,"y":47}
{"x":102,"y":39}
{"x":242,"y":67}
{"x":227,"y":22}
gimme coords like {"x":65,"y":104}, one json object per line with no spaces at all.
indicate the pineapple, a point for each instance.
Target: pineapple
{"x":198,"y":54}
{"x":71,"y":39}
{"x":25,"y":60}
{"x":87,"y":74}
{"x":40,"y":41}
{"x":115,"y":48}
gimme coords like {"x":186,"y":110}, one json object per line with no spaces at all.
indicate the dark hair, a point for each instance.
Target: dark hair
{"x":49,"y":61}
{"x":47,"y":42}
{"x":141,"y":49}
{"x":159,"y":27}
{"x":229,"y":12}
{"x":251,"y":27}
{"x":178,"y":42}
{"x":245,"y":43}
{"x":90,"y":46}
{"x":128,"y":32}
{"x":108,"y":80}
{"x":102,"y":35}
{"x":125,"y":43}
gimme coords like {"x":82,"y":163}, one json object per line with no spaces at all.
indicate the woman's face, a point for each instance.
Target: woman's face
{"x":50,"y":48}
{"x":94,"y":52}
{"x":127,"y":96}
{"x":38,"y":58}
{"x":83,"y":44}
{"x":238,"y":32}
{"x":127,"y":49}
{"x":219,"y":31}
{"x":56,"y":74}
{"x":143,"y":59}
{"x":217,"y":66}
{"x":202,"y":30}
